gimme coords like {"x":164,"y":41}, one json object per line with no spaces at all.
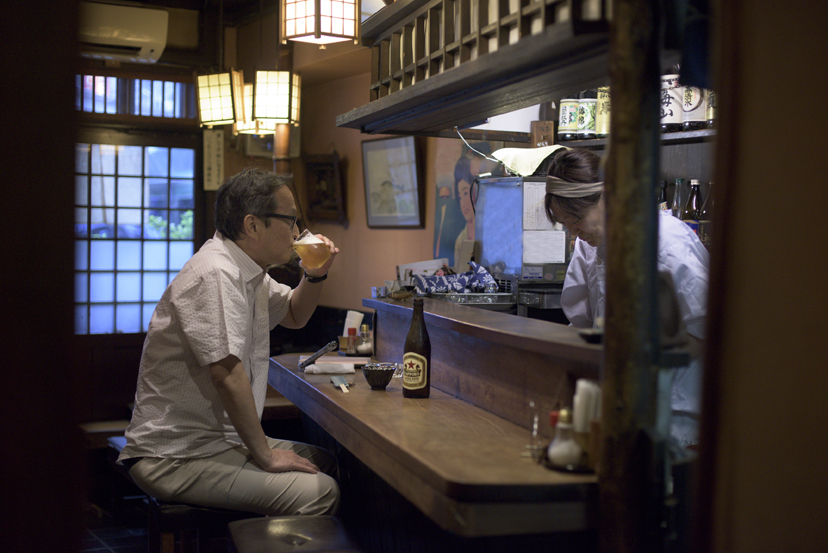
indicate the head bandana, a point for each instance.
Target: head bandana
{"x":566,"y":189}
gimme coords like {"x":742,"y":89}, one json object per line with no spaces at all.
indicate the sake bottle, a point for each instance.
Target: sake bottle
{"x":677,"y":206}
{"x":690,"y":213}
{"x":416,"y":378}
{"x":661,"y":198}
{"x":705,"y":216}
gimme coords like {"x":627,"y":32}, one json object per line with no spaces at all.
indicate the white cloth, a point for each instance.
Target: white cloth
{"x":221,"y":303}
{"x":682,"y":254}
{"x":524,"y":161}
{"x":330,"y":368}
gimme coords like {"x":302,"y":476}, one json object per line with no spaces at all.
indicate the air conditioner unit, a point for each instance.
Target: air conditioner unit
{"x":122,"y":33}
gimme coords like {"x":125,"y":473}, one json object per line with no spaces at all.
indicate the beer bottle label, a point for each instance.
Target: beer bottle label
{"x":693,"y":224}
{"x":662,"y":206}
{"x":414,"y":371}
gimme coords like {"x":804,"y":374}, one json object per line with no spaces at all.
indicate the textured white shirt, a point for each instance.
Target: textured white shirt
{"x":221,"y":303}
{"x":682,"y":254}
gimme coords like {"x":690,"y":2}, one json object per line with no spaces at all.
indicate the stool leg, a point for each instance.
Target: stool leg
{"x":153,"y":535}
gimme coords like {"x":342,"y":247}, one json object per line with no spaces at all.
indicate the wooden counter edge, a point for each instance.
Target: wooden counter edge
{"x":544,"y":337}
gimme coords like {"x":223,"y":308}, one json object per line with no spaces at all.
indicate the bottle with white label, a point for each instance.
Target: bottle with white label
{"x":417,"y":356}
{"x":568,"y":119}
{"x":694,"y":109}
{"x":672,"y":96}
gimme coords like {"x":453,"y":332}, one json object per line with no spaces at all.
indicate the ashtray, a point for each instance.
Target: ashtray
{"x":379,"y":375}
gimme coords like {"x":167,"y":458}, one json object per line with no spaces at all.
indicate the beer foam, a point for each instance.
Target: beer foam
{"x":309,"y":239}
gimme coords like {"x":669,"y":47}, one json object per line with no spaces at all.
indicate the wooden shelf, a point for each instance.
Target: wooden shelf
{"x":667,"y":139}
{"x":561,"y":59}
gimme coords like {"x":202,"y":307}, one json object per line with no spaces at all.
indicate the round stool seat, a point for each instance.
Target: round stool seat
{"x":295,"y":534}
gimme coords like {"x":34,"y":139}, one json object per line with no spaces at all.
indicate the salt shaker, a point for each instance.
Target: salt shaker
{"x":564,"y":451}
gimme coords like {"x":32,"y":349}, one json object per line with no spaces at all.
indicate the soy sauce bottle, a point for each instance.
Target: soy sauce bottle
{"x":416,"y":378}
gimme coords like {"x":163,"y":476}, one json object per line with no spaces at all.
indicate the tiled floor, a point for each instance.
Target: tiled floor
{"x":123,"y":534}
{"x":106,"y":533}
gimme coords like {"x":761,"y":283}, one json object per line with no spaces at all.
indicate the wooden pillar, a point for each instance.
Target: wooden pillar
{"x":281,"y":149}
{"x":630,"y":485}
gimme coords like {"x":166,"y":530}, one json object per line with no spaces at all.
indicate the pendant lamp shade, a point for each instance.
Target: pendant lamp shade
{"x":220,"y":98}
{"x":320,"y":21}
{"x":276,"y":97}
{"x":250,"y":125}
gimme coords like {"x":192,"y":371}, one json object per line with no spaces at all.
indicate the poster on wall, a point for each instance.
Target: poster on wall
{"x":456,"y":167}
{"x":213,"y":158}
{"x":393,"y":195}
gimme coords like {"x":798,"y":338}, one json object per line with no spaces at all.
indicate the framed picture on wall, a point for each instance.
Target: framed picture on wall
{"x":324,"y":188}
{"x":393,"y":195}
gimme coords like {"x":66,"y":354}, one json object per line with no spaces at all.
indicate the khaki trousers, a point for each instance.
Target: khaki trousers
{"x":231,"y":480}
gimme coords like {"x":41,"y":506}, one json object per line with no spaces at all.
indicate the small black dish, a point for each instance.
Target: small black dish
{"x":379,"y":375}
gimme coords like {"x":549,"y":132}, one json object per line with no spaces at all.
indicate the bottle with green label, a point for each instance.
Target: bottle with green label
{"x":587,"y":105}
{"x":417,"y":356}
{"x":602,"y":113}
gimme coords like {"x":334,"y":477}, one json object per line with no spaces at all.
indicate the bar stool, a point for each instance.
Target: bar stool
{"x":168,"y":520}
{"x":294,"y":534}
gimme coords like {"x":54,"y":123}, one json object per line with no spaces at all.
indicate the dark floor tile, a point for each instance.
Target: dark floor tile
{"x":130,"y":549}
{"x":125,"y":541}
{"x":91,"y":543}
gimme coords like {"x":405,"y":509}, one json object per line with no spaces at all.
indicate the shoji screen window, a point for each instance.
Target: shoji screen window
{"x":133,"y":229}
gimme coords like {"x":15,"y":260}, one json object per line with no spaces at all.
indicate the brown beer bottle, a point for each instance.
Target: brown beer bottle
{"x":417,"y":356}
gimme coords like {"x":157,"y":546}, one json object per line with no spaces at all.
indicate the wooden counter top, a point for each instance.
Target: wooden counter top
{"x":459,"y":464}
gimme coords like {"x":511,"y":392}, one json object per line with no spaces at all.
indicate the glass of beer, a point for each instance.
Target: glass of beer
{"x":312,"y":251}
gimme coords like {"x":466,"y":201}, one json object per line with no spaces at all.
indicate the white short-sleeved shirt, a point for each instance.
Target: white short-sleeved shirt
{"x":221,"y":303}
{"x":682,"y":254}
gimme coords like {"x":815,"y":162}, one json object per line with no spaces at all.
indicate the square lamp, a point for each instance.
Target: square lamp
{"x":320,"y":21}
{"x":250,"y":125}
{"x":276,"y":97}
{"x":219,"y":97}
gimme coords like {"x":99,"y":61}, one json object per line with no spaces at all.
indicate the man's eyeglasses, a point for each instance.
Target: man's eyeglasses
{"x":291,"y":218}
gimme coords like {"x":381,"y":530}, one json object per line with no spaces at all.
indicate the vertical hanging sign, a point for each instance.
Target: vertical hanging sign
{"x":213,"y":158}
